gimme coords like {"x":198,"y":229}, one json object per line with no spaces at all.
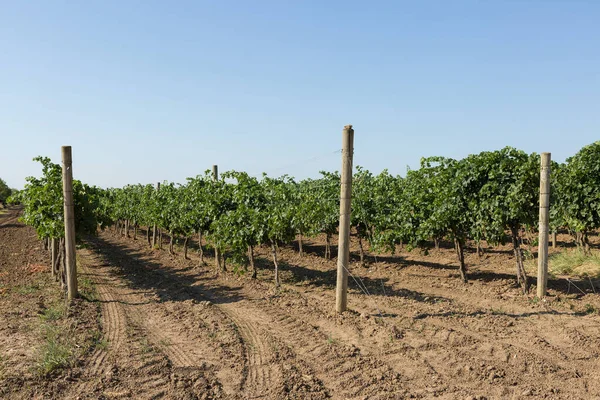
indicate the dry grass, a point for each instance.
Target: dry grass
{"x":575,"y":263}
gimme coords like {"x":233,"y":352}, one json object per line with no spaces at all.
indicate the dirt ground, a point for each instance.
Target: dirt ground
{"x":172,"y":328}
{"x":36,"y":328}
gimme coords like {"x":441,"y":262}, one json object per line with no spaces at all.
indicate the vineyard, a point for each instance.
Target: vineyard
{"x":223,"y":286}
{"x":491,"y":197}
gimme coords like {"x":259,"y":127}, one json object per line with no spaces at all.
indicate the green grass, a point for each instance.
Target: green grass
{"x":102,"y":344}
{"x":534,"y":300}
{"x":53,"y":313}
{"x":26,"y":289}
{"x":87,"y":288}
{"x":98,"y":342}
{"x":56,"y":351}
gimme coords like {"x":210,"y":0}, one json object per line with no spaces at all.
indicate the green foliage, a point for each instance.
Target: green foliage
{"x":42,"y":199}
{"x":577,"y":186}
{"x":278,"y":194}
{"x":505,"y":192}
{"x":319,"y":204}
{"x":393,"y":217}
{"x":364,"y":209}
{"x":243,"y":219}
{"x":481,"y":197}
{"x":5,"y":191}
{"x":447,"y":193}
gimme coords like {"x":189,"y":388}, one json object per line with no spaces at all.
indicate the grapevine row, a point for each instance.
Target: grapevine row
{"x":491,"y":196}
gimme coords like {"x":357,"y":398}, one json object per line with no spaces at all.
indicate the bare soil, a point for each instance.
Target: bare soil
{"x":32,"y":312}
{"x":172,"y":328}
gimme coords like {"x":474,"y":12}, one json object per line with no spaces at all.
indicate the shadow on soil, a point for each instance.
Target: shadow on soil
{"x":576,"y":287}
{"x":142,"y":274}
{"x":498,"y":313}
{"x":13,"y":226}
{"x":298,"y":274}
{"x":175,"y":285}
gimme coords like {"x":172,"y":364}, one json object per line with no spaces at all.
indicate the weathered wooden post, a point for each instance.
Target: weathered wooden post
{"x":69,"y":219}
{"x":542,"y":278}
{"x":154,"y":226}
{"x":54,"y":249}
{"x":215,"y":172}
{"x":341,"y":298}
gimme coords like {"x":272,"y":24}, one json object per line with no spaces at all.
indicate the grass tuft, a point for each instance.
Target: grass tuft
{"x":590,"y":309}
{"x":55,"y":352}
{"x":575,"y":263}
{"x":87,"y":289}
{"x":26,"y":289}
{"x":53,"y":313}
{"x":98,"y":341}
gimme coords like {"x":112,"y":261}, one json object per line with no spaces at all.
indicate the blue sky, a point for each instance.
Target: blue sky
{"x":146,"y":91}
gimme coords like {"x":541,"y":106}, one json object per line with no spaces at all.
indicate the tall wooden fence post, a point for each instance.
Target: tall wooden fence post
{"x":154,"y":226}
{"x":54,"y":250}
{"x":542,"y":278}
{"x":341,"y":294}
{"x":215,"y":173}
{"x":69,"y":219}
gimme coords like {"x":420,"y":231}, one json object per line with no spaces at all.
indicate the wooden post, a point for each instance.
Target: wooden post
{"x":154,"y":227}
{"x":215,"y":171}
{"x":69,"y":219}
{"x":344,"y":229}
{"x":542,"y":278}
{"x":54,"y":249}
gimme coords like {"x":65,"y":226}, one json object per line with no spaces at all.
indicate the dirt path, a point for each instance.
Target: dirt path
{"x":173,"y":329}
{"x":148,"y":353}
{"x":10,"y":217}
{"x":41,"y":341}
{"x":147,"y":308}
{"x":419,"y":333}
{"x":281,"y":356}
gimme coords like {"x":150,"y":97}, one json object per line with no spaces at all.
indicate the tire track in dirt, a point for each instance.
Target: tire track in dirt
{"x":418,"y":366}
{"x":343,"y":371}
{"x":343,"y":368}
{"x":340,"y":369}
{"x":271,"y":367}
{"x":463,"y":340}
{"x":266,"y":373}
{"x":443,"y":349}
{"x":131,"y":329}
{"x":113,"y":318}
{"x":260,"y":375}
{"x":151,"y":379}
